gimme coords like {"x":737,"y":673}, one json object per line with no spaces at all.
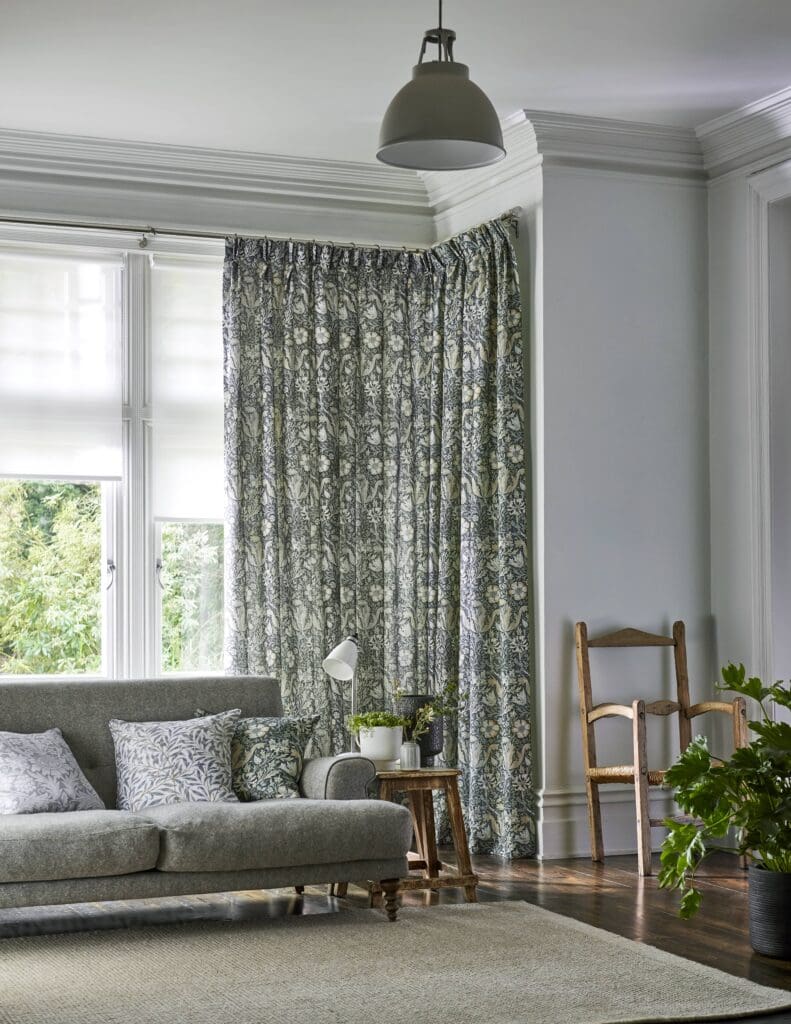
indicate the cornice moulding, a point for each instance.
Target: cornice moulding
{"x":113,"y":162}
{"x":753,"y":132}
{"x":541,"y":138}
{"x":622,"y":145}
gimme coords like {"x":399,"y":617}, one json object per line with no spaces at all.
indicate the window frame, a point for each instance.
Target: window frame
{"x":131,"y":640}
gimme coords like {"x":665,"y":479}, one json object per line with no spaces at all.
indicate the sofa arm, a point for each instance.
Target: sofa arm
{"x":345,"y":777}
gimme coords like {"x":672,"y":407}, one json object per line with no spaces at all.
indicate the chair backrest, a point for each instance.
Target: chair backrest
{"x":637,"y":638}
{"x":82,"y":709}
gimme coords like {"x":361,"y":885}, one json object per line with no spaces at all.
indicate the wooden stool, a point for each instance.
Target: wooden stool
{"x":419,"y":785}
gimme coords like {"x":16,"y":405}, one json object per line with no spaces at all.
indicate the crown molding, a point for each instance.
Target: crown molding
{"x":541,"y":138}
{"x":113,"y":163}
{"x":744,"y":136}
{"x":607,"y":143}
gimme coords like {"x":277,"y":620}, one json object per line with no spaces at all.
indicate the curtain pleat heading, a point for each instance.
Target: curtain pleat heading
{"x":375,"y":474}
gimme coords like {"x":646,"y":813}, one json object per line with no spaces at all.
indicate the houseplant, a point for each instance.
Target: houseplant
{"x":425,"y":714}
{"x":749,"y":796}
{"x":379,"y":735}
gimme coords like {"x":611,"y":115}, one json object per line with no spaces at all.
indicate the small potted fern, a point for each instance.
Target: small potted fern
{"x":749,"y":796}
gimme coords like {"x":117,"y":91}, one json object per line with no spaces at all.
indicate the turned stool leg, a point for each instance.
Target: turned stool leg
{"x":390,"y":887}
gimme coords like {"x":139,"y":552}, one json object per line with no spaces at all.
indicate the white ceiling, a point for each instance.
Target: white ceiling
{"x":313,"y":77}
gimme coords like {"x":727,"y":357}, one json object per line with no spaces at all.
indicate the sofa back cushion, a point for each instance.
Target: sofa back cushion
{"x":82,"y":710}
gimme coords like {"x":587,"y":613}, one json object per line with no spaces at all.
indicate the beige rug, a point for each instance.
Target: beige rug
{"x":495,"y":963}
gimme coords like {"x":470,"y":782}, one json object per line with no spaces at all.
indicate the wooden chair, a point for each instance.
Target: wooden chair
{"x":638,"y":773}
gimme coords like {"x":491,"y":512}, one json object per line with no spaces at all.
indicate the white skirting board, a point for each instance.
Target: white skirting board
{"x":563,"y":821}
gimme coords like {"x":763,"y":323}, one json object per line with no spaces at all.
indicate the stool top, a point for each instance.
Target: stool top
{"x":420,"y":773}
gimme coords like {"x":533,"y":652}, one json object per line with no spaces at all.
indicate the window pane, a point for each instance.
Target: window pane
{"x":50,"y":577}
{"x":192,"y":596}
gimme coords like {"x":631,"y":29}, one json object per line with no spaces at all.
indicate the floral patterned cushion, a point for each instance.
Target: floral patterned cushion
{"x":38,"y":773}
{"x":267,"y":755}
{"x":174,"y":762}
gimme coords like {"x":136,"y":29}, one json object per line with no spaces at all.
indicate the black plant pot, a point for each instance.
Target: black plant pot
{"x":431,"y":742}
{"x":770,"y":912}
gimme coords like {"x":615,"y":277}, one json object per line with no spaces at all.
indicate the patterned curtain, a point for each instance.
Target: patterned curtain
{"x":375,"y":471}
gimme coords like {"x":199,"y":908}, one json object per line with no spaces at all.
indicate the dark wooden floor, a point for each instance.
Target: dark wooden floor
{"x":609,"y":896}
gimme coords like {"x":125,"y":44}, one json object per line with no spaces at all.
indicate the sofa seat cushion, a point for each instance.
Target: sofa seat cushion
{"x":75,"y":844}
{"x":278,"y":833}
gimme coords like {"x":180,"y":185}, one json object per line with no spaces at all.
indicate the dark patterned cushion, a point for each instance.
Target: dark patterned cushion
{"x":267,"y":756}
{"x":174,"y":762}
{"x":38,"y":773}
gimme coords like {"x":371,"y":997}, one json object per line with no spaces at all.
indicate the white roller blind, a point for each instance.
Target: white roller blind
{"x":60,"y":367}
{"x":187,"y":390}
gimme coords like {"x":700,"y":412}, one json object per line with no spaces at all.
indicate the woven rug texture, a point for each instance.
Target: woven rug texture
{"x":488,"y":963}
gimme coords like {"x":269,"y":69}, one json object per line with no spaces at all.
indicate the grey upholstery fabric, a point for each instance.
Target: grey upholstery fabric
{"x":150,"y":884}
{"x":75,"y":844}
{"x":345,"y":777}
{"x":277,"y":833}
{"x":81,"y":710}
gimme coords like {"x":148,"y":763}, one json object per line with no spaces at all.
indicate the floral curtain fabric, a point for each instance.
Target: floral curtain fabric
{"x":375,"y":483}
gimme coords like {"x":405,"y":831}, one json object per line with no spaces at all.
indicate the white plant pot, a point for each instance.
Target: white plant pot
{"x":382,"y":744}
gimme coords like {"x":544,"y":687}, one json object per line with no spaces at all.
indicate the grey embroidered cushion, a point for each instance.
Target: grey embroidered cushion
{"x":38,"y":773}
{"x":174,"y":762}
{"x":267,"y":755}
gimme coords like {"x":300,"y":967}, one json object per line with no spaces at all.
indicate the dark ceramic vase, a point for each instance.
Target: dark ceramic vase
{"x":770,"y":912}
{"x":431,"y":742}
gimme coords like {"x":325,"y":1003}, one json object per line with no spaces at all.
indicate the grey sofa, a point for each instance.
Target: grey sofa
{"x":333,"y":834}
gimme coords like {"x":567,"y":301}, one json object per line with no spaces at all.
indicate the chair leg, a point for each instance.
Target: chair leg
{"x":594,"y":821}
{"x":641,"y":800}
{"x":390,"y":887}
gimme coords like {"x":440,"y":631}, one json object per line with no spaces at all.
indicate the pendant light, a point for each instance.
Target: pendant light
{"x":440,"y":121}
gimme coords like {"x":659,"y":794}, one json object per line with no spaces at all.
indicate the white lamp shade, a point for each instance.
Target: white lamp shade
{"x":341,"y":662}
{"x":440,"y":121}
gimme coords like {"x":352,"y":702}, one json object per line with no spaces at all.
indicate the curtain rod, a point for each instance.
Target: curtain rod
{"x":153,"y":232}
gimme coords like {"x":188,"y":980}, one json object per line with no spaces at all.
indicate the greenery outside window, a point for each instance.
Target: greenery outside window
{"x":51,"y":580}
{"x":190,"y":574}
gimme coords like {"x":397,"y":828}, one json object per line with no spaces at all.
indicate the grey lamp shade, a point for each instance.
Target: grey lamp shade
{"x":341,"y":662}
{"x":440,"y":121}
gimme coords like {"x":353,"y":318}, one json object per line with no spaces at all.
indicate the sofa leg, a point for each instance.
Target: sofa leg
{"x":390,"y":887}
{"x":299,"y":889}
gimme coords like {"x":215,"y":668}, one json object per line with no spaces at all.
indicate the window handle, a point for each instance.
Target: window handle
{"x":111,"y":567}
{"x":158,"y":570}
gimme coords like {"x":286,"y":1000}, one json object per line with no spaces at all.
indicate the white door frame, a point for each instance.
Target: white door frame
{"x":763,"y":189}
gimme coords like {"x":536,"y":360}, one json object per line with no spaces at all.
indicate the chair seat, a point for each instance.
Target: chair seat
{"x":623,"y":773}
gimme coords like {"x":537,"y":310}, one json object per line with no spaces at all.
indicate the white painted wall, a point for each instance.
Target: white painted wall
{"x":626,"y":464}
